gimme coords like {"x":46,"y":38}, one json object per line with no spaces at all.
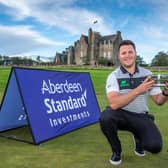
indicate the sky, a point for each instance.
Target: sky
{"x":44,"y":27}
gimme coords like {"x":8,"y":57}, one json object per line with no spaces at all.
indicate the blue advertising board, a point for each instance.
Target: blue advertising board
{"x":12,"y":113}
{"x":56,"y":102}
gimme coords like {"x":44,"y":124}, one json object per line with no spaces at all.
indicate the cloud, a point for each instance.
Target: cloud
{"x":156,"y":33}
{"x":153,"y":10}
{"x":19,"y":39}
{"x":153,"y":40}
{"x":57,"y":13}
{"x":158,"y":37}
{"x":149,"y":51}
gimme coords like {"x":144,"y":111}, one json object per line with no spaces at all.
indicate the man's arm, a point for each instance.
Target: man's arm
{"x":117,"y":101}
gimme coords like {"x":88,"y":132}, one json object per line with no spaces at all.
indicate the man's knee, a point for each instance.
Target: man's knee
{"x":106,"y":115}
{"x":107,"y":119}
{"x":154,"y":147}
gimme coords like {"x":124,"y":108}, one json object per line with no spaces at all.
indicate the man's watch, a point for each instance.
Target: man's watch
{"x":164,"y":94}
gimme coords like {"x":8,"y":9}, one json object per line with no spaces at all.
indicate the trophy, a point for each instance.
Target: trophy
{"x":160,"y":79}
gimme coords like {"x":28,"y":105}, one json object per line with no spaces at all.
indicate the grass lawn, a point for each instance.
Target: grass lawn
{"x":83,"y":148}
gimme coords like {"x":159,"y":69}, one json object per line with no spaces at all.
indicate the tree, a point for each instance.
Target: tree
{"x":105,"y":61}
{"x":1,"y":60}
{"x":161,"y":59}
{"x":140,"y":61}
{"x":38,"y":59}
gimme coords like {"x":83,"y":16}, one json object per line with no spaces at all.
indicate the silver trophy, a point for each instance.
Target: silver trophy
{"x":160,"y":79}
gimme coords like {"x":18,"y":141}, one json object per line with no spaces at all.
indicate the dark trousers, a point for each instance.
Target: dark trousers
{"x":142,"y":126}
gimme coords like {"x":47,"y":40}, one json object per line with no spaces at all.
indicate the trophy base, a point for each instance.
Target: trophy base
{"x":160,"y":79}
{"x":159,"y":85}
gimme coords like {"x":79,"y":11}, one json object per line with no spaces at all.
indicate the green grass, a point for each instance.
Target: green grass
{"x":83,"y":148}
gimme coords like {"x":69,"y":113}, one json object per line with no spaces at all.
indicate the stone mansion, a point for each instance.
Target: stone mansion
{"x":88,"y":50}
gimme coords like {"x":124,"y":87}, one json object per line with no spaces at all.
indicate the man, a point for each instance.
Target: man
{"x":127,"y":90}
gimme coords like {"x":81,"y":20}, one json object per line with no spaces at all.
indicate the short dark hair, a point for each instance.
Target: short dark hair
{"x":127,"y":42}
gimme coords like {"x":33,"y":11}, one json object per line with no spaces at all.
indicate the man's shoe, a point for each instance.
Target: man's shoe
{"x":115,"y":159}
{"x":139,"y":151}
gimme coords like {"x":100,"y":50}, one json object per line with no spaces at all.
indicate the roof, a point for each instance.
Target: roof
{"x":85,"y":37}
{"x":108,"y":37}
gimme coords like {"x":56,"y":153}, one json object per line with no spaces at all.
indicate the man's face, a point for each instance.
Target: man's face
{"x":127,"y":56}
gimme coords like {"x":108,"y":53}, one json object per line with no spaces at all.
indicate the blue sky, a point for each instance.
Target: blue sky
{"x":42,"y":27}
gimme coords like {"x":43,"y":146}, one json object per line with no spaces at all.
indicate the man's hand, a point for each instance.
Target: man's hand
{"x":146,"y":85}
{"x":162,"y":97}
{"x":166,"y":88}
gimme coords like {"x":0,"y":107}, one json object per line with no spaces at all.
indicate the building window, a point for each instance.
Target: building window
{"x":109,"y":54}
{"x":104,"y":54}
{"x":81,"y":54}
{"x":109,"y":43}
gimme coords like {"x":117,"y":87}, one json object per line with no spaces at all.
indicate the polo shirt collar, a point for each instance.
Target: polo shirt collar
{"x":125,"y":71}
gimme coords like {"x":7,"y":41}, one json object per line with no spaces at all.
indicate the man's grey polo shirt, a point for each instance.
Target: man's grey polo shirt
{"x":121,"y":81}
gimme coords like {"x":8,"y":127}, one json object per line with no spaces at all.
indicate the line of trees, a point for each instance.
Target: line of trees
{"x":160,"y":59}
{"x":6,"y":60}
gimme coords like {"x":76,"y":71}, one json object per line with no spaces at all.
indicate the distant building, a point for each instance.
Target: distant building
{"x":89,"y":50}
{"x":60,"y":58}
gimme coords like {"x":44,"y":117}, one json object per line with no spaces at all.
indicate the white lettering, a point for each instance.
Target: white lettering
{"x":45,"y":87}
{"x":65,"y":104}
{"x":46,"y":102}
{"x":54,"y":122}
{"x":65,"y":87}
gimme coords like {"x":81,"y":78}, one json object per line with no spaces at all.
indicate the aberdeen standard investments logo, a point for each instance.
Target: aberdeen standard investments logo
{"x":55,"y":102}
